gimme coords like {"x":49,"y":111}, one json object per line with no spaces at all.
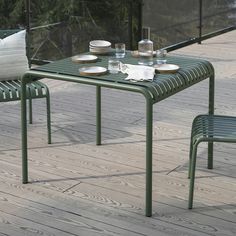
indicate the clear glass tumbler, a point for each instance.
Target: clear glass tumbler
{"x":120,"y":50}
{"x":113,"y":65}
{"x":161,"y":56}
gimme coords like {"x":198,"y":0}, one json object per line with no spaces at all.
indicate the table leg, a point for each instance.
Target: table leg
{"x":30,"y":109}
{"x":48,"y":116}
{"x":98,"y":115}
{"x":149,"y":115}
{"x":24,"y":132}
{"x":211,"y":112}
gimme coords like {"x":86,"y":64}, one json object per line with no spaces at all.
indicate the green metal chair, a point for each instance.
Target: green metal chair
{"x":208,"y":128}
{"x":10,"y":90}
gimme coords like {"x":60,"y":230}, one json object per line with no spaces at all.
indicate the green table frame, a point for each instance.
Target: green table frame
{"x":191,"y":71}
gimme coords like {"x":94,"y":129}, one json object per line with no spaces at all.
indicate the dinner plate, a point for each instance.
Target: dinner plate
{"x":100,"y":43}
{"x":93,"y":70}
{"x":99,"y":47}
{"x":84,"y":58}
{"x":100,"y":50}
{"x":135,"y":53}
{"x":166,"y":68}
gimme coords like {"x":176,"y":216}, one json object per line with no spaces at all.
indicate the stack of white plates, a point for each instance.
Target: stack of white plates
{"x":100,"y":47}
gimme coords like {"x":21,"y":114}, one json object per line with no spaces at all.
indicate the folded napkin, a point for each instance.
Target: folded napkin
{"x":137,"y":72}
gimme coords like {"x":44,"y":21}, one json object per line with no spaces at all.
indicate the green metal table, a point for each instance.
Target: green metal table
{"x":191,"y":71}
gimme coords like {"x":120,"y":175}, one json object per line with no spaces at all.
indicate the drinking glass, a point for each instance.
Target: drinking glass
{"x":113,"y":65}
{"x":161,"y":56}
{"x":120,"y":50}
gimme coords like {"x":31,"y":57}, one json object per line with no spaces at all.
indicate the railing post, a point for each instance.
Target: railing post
{"x":200,"y":22}
{"x":140,"y":20}
{"x":27,"y":15}
{"x":130,"y":25}
{"x":135,"y":12}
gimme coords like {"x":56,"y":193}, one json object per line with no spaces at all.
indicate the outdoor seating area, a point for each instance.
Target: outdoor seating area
{"x":118,"y":118}
{"x":75,"y":187}
{"x":163,"y":86}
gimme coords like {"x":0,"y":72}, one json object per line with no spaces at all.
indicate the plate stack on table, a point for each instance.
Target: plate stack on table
{"x":100,"y":47}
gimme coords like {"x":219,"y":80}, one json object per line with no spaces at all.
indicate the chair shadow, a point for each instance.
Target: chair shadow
{"x":206,"y":209}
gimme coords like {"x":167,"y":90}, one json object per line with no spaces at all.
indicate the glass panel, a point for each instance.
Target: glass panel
{"x":218,"y":15}
{"x":63,"y":28}
{"x":171,"y":21}
{"x":74,"y":24}
{"x":174,"y":21}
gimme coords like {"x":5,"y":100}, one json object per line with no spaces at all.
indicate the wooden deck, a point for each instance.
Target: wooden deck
{"x":78,"y":188}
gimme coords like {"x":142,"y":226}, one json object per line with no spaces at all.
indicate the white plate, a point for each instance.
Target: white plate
{"x":100,"y":51}
{"x":99,"y":48}
{"x":166,"y":68}
{"x":93,"y":70}
{"x":84,"y":58}
{"x":136,"y":54}
{"x":100,"y":43}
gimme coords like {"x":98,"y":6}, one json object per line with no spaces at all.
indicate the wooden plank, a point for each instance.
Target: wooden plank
{"x":67,"y":222}
{"x":114,"y":217}
{"x":114,"y":185}
{"x":12,"y":225}
{"x":107,"y":183}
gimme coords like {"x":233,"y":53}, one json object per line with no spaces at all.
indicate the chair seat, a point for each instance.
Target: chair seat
{"x":11,"y":90}
{"x":208,"y":128}
{"x":214,"y":128}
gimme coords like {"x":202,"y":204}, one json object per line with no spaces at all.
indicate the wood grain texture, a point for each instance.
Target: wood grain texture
{"x":78,"y":188}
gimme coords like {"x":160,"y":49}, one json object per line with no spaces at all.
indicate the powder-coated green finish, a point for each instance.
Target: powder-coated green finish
{"x":208,"y":128}
{"x":191,"y":71}
{"x":10,"y":90}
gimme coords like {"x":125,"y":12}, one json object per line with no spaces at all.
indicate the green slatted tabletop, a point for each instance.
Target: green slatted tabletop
{"x":164,"y":85}
{"x":191,"y":71}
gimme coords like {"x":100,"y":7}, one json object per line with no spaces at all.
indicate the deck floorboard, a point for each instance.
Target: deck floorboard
{"x":78,"y":188}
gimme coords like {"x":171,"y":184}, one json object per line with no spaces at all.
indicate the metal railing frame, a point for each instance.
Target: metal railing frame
{"x":200,"y":37}
{"x":187,"y":42}
{"x":200,"y":22}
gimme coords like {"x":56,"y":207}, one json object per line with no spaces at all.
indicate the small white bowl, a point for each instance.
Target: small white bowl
{"x":100,"y":43}
{"x":100,"y":50}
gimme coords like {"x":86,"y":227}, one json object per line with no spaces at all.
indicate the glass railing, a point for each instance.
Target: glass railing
{"x":175,"y":22}
{"x":61,"y":28}
{"x":56,"y":34}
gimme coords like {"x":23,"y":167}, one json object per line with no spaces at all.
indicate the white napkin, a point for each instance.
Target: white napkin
{"x":137,"y":72}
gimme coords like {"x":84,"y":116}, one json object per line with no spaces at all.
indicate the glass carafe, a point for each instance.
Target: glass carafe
{"x":145,"y":48}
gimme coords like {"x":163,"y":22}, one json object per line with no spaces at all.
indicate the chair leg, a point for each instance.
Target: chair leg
{"x":211,"y":112}
{"x":30,"y":110}
{"x":48,"y":116}
{"x":210,"y":155}
{"x":190,"y":158}
{"x":192,"y":175}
